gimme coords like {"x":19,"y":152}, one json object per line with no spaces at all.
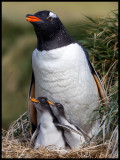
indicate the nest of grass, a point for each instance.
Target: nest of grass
{"x":15,"y":144}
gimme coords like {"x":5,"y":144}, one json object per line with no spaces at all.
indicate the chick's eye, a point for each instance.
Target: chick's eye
{"x":43,"y":100}
{"x":49,"y":18}
{"x":59,"y":105}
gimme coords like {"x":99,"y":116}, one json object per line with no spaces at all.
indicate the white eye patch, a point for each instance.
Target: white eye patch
{"x":53,"y":15}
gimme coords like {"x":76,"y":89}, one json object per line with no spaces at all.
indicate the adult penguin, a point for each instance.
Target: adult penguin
{"x":62,"y":72}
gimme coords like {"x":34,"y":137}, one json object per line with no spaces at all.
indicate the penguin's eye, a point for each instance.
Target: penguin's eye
{"x":43,"y":100}
{"x":49,"y":18}
{"x":59,"y":105}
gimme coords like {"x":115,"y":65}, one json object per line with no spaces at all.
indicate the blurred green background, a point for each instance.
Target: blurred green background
{"x":19,"y":40}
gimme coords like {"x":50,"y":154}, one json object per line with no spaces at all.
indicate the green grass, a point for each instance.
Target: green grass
{"x":102,"y":44}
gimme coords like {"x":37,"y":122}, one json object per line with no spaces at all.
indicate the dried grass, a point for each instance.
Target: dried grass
{"x":15,"y":144}
{"x":14,"y":149}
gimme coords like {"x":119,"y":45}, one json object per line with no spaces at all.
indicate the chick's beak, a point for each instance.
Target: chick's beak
{"x":50,"y":103}
{"x":34,"y":100}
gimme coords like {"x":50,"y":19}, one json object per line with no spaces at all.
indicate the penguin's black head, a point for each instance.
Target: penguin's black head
{"x":60,"y":108}
{"x":40,"y":103}
{"x":45,"y":23}
{"x":50,"y":32}
{"x":42,"y":100}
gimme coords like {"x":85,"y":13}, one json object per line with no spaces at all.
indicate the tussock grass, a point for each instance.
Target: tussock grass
{"x":102,"y":45}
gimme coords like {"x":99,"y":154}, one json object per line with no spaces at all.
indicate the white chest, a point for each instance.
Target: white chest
{"x":63,"y":75}
{"x":49,"y":134}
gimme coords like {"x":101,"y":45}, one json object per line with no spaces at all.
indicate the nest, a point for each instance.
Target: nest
{"x":15,"y":144}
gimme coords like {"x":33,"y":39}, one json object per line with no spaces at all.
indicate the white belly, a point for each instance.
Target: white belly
{"x":63,"y":76}
{"x":49,"y":134}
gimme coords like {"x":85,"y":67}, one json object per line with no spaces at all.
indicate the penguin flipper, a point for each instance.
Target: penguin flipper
{"x":31,"y":109}
{"x":100,"y":87}
{"x":68,"y":128}
{"x":34,"y":134}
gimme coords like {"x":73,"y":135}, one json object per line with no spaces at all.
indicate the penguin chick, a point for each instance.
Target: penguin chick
{"x":49,"y":134}
{"x":73,"y":136}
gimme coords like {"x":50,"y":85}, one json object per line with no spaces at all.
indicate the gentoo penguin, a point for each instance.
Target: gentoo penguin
{"x":48,"y":133}
{"x":74,"y":139}
{"x":62,"y":72}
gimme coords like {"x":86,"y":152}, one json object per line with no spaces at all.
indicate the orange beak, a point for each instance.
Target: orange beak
{"x":34,"y":100}
{"x":33,"y":19}
{"x":50,"y":103}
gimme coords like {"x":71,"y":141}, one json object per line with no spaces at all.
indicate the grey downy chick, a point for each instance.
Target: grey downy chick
{"x":48,"y":133}
{"x":73,"y":136}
